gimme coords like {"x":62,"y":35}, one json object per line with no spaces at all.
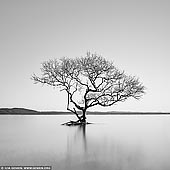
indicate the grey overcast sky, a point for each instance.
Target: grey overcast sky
{"x":135,"y":34}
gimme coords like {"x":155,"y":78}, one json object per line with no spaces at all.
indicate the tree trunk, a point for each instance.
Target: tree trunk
{"x":84,"y":116}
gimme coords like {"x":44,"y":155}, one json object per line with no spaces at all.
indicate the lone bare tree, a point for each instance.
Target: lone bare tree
{"x":89,"y":81}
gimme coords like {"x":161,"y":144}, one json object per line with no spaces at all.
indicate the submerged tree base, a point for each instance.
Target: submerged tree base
{"x":75,"y":123}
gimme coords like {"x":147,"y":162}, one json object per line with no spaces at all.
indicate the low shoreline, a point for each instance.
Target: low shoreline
{"x":23,"y":111}
{"x":91,"y":113}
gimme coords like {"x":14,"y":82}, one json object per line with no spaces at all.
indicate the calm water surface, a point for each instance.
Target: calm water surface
{"x":111,"y":143}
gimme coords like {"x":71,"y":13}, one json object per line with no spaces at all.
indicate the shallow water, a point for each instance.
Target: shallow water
{"x":111,"y":143}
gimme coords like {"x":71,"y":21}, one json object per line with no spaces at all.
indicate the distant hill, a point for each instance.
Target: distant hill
{"x":17,"y":111}
{"x":23,"y":111}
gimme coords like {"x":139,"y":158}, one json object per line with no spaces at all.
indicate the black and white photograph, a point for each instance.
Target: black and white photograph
{"x":84,"y":84}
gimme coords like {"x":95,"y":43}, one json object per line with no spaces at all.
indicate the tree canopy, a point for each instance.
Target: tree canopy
{"x":89,"y":81}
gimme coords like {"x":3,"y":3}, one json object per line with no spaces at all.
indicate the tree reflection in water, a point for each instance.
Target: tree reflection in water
{"x":86,"y":152}
{"x":116,"y":147}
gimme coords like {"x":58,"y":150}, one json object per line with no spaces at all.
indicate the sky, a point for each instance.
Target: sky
{"x":135,"y":34}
